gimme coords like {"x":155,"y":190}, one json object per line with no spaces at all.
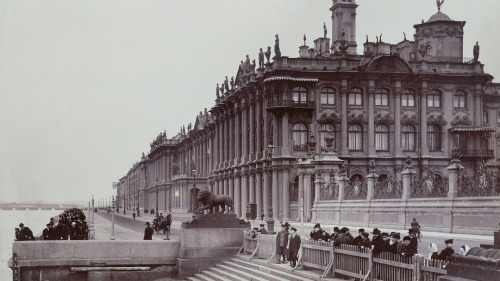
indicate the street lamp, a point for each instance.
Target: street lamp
{"x":157,"y":196}
{"x":113,"y":219}
{"x":194,"y":186}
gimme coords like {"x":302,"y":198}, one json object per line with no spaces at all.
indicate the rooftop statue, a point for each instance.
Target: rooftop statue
{"x":261,"y":58}
{"x":252,"y":66}
{"x":222,"y":88}
{"x":305,"y":40}
{"x":324,"y":30}
{"x":439,"y":4}
{"x":268,"y":53}
{"x":476,"y":52}
{"x":226,"y":84}
{"x":277,"y":51}
{"x":404,"y":36}
{"x":232,"y":83}
{"x":217,"y":91}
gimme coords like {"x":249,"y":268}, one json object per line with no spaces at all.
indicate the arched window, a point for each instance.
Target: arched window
{"x":460,"y":100}
{"x":408,"y":138}
{"x":408,"y":98}
{"x":299,"y":95}
{"x":356,"y":97}
{"x":382,"y":138}
{"x":434,"y":99}
{"x":299,"y":136}
{"x":434,"y":134}
{"x":355,"y":137}
{"x":323,"y":132}
{"x":382,"y":97}
{"x":328,"y":96}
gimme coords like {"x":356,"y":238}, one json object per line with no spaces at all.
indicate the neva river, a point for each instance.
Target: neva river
{"x":35,"y":220}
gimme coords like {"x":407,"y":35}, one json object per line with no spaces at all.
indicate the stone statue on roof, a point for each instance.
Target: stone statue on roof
{"x":217,"y":91}
{"x":439,"y":4}
{"x":226,"y":84}
{"x":277,"y":51}
{"x":222,"y":88}
{"x":476,"y":52}
{"x":261,"y":58}
{"x":324,"y":30}
{"x":232,"y":83}
{"x":252,"y":66}
{"x":268,"y":53}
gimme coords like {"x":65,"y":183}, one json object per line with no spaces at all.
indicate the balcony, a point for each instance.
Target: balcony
{"x":467,"y":153}
{"x":285,"y":104}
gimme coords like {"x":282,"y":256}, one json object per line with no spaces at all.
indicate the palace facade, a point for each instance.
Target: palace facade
{"x":416,"y":99}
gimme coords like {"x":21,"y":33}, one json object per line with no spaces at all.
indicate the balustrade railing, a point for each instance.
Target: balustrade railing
{"x":290,"y":103}
{"x":388,"y":189}
{"x":356,"y":189}
{"x":476,"y":183}
{"x":431,"y":186}
{"x":485,"y":153}
{"x":329,"y":191}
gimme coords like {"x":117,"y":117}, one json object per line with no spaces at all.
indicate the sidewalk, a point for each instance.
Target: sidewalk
{"x":102,"y":228}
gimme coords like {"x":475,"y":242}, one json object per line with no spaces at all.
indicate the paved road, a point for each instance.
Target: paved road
{"x":136,"y":225}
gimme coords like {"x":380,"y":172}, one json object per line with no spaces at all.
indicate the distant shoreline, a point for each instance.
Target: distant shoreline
{"x":24,"y":207}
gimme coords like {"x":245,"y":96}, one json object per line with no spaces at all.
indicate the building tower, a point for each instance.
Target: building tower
{"x":344,"y":21}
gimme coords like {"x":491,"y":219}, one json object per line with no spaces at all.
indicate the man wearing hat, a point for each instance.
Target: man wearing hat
{"x":365,"y":241}
{"x":343,"y":238}
{"x":413,"y":241}
{"x":358,"y":239}
{"x":377,"y":242}
{"x":293,"y":247}
{"x":447,"y":252}
{"x":319,"y":234}
{"x":46,"y":235}
{"x":335,"y":234}
{"x":282,"y":243}
{"x":393,"y":243}
{"x":73,"y":235}
{"x":148,"y":232}
{"x":25,"y":233}
{"x":262,"y":229}
{"x":404,"y":248}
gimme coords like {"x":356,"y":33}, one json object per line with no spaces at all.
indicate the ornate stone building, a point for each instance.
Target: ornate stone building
{"x":257,"y":144}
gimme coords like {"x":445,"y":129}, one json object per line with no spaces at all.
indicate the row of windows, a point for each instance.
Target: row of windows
{"x":434,"y":98}
{"x":355,"y":137}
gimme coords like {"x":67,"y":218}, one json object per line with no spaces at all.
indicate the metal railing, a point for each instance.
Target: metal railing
{"x":476,"y":153}
{"x":290,"y":103}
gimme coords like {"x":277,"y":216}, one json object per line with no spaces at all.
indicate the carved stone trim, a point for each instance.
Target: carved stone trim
{"x":436,"y":120}
{"x":357,"y":119}
{"x":407,"y":120}
{"x":461,"y":121}
{"x":300,"y":117}
{"x":328,"y":119}
{"x":384,"y":119}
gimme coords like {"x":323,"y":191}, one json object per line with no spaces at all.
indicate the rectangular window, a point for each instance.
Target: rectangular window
{"x":381,"y":100}
{"x":355,"y":99}
{"x":459,"y":100}
{"x":434,"y":99}
{"x":408,"y":100}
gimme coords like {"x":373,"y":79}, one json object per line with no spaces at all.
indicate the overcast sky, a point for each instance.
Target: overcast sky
{"x":86,"y":85}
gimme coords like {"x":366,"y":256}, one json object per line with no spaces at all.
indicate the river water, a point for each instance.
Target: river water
{"x":35,"y":220}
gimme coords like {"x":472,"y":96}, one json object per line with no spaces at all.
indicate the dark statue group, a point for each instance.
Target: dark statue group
{"x":71,"y":225}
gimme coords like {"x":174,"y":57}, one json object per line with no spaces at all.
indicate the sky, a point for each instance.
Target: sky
{"x":85,"y":86}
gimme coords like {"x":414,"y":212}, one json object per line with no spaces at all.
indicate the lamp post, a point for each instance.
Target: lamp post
{"x":92,"y":214}
{"x":138,"y":202}
{"x":113,"y":219}
{"x":270,"y":222}
{"x":157,"y":196}
{"x":194,"y":186}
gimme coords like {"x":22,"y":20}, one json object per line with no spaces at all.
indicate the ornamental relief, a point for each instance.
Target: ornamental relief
{"x":328,"y":119}
{"x":384,"y":119}
{"x":461,"y":121}
{"x":436,"y":120}
{"x":409,"y":120}
{"x":357,"y":118}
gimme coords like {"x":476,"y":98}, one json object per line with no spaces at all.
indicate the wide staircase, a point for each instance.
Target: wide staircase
{"x":242,"y":268}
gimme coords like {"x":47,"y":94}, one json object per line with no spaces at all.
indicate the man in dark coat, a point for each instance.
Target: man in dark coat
{"x":343,"y":238}
{"x":393,"y":243}
{"x":148,"y":232}
{"x":365,"y":241}
{"x":25,"y":233}
{"x":262,"y":229}
{"x":282,"y":243}
{"x":46,"y":235}
{"x":73,"y":233}
{"x":335,"y":234}
{"x":413,"y":241}
{"x":447,"y":252}
{"x":377,"y":242}
{"x":293,"y":247}
{"x":61,"y":231}
{"x":358,"y":239}
{"x":405,"y":248}
{"x":319,"y":234}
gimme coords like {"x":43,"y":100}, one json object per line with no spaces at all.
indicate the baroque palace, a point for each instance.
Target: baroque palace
{"x":414,"y":107}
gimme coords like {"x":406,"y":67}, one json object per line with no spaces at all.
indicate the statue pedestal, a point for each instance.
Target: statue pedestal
{"x":269,"y":66}
{"x":207,"y":240}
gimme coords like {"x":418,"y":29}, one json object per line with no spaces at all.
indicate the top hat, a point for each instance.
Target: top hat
{"x":376,"y":231}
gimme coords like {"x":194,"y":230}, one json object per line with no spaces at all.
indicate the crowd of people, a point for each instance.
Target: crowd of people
{"x":406,"y":245}
{"x":71,"y":225}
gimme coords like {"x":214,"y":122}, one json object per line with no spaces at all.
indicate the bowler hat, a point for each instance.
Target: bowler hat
{"x":344,"y":230}
{"x":21,"y":224}
{"x":384,"y":234}
{"x":361,"y":230}
{"x":365,"y":234}
{"x":376,"y":231}
{"x":410,"y":231}
{"x":336,"y":229}
{"x":286,"y":224}
{"x":293,"y":228}
{"x":406,"y":238}
{"x":317,"y":225}
{"x":396,"y":235}
{"x":448,"y":241}
{"x":147,"y":223}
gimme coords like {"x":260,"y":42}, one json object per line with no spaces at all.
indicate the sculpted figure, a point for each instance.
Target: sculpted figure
{"x":324,"y":30}
{"x":439,"y":4}
{"x":226,"y":84}
{"x":209,"y":201}
{"x":217,"y":91}
{"x":222,"y":88}
{"x":261,"y":58}
{"x":277,"y":51}
{"x":476,"y":52}
{"x":232,"y":83}
{"x":268,"y":53}
{"x":252,"y":66}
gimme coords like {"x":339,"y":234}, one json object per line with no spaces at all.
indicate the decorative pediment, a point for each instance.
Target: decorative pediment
{"x":300,"y":117}
{"x":387,"y":63}
{"x":358,"y":119}
{"x":328,"y":119}
{"x":407,"y":120}
{"x":461,"y":121}
{"x":436,"y":120}
{"x":381,"y":119}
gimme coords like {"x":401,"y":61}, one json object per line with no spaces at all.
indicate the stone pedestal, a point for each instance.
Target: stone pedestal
{"x":207,"y":240}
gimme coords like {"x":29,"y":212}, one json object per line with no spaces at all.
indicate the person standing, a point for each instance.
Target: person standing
{"x":25,"y":233}
{"x":319,"y":234}
{"x":447,"y":252}
{"x":365,"y":242}
{"x":343,"y":238}
{"x":133,"y":215}
{"x":416,"y":228}
{"x":281,"y":243}
{"x":46,"y":232}
{"x":262,"y":229}
{"x":433,"y":251}
{"x":393,"y":243}
{"x":293,"y":247}
{"x":358,"y":239}
{"x":377,"y":242}
{"x":148,"y":232}
{"x":404,"y":248}
{"x":413,"y":241}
